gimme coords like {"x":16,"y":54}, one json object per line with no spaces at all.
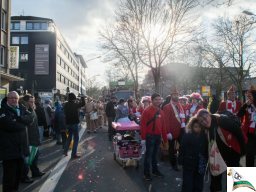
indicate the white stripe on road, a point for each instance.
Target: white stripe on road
{"x":54,"y":177}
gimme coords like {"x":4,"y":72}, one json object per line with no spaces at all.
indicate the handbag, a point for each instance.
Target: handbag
{"x":71,"y":144}
{"x":217,"y":164}
{"x":202,"y":165}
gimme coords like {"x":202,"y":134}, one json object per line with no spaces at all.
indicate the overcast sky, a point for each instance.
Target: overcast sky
{"x":79,"y":20}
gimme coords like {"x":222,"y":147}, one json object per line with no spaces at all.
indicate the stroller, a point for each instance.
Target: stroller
{"x":125,"y":146}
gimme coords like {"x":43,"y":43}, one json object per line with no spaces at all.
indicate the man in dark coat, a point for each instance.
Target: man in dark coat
{"x":111,"y":114}
{"x":72,"y":120}
{"x":214,"y":104}
{"x":13,"y":140}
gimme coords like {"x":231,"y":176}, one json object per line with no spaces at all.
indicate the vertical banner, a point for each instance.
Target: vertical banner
{"x":14,"y":57}
{"x":42,"y":59}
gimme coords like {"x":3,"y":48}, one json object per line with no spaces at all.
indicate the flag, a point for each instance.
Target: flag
{"x":239,"y":180}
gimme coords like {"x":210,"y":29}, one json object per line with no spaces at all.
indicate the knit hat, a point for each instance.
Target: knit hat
{"x":231,"y":90}
{"x":146,"y":98}
{"x":71,"y":96}
{"x":183,"y":98}
{"x":252,"y":88}
{"x":175,"y":90}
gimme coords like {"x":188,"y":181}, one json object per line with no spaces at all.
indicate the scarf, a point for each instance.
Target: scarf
{"x":252,"y":111}
{"x":231,"y":106}
{"x":179,"y":113}
{"x":193,"y":110}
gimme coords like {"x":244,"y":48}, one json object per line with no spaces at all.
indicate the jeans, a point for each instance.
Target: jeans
{"x":34,"y":169}
{"x":72,"y":129}
{"x":58,"y":137}
{"x":152,"y":148}
{"x":192,"y":181}
{"x":12,"y":172}
{"x":41,"y":132}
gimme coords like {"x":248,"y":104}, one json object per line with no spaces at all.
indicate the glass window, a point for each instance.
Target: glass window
{"x":15,"y":40}
{"x":29,"y":25}
{"x":58,"y":42}
{"x":17,"y":26}
{"x":59,"y":77}
{"x":3,"y":20}
{"x":43,"y":25}
{"x":58,"y":60}
{"x":11,"y":26}
{"x":64,"y":80}
{"x":36,"y":25}
{"x":2,"y":56}
{"x":23,"y":57}
{"x":63,"y":64}
{"x":24,"y":40}
{"x":67,"y":68}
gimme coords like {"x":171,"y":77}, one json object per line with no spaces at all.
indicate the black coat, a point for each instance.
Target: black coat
{"x":190,"y":146}
{"x":13,"y":132}
{"x":40,"y":113}
{"x":71,"y":111}
{"x":59,"y":123}
{"x":215,"y":104}
{"x":33,"y":131}
{"x":110,"y":109}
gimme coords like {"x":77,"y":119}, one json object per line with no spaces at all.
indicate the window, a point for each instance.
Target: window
{"x":24,"y":40}
{"x":59,"y":77}
{"x":2,"y":56}
{"x":24,"y":75}
{"x":3,"y":20}
{"x":44,"y":26}
{"x":68,"y":82}
{"x":58,"y":43}
{"x":29,"y":25}
{"x":36,"y":25}
{"x":17,"y":26}
{"x":63,"y":64}
{"x":23,"y":57}
{"x":15,"y":40}
{"x":67,"y":69}
{"x":58,"y":60}
{"x":11,"y":26}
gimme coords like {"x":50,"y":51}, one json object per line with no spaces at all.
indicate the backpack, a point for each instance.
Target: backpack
{"x":231,"y":116}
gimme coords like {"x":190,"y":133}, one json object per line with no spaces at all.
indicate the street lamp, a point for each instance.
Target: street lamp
{"x":248,"y":12}
{"x":93,"y":59}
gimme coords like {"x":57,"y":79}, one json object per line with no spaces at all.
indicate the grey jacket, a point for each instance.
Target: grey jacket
{"x":33,"y":131}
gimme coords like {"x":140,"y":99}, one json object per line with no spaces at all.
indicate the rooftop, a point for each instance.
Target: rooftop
{"x":29,"y":18}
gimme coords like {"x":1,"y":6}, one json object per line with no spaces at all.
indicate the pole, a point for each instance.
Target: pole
{"x":1,"y":44}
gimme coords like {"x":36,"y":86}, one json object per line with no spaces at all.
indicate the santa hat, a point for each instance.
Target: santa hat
{"x":196,"y":96}
{"x":175,"y":90}
{"x":188,"y":96}
{"x":231,"y":90}
{"x":146,"y":98}
{"x":183,"y":98}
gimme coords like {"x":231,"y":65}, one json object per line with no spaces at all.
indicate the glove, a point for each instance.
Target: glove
{"x":180,"y":167}
{"x":169,"y":136}
{"x":186,"y":130}
{"x":143,"y":142}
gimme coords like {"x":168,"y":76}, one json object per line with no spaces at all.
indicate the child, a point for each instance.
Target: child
{"x":192,"y":143}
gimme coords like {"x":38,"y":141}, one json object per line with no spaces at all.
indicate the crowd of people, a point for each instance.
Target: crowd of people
{"x":193,"y":132}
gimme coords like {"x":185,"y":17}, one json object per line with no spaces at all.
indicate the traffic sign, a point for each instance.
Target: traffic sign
{"x":206,"y":91}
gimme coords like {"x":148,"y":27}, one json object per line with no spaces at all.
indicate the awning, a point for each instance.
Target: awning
{"x":10,"y":77}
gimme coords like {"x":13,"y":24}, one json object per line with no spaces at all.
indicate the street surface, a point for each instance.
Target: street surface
{"x":96,"y":170}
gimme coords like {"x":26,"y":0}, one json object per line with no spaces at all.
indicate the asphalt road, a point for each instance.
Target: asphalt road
{"x":97,"y":171}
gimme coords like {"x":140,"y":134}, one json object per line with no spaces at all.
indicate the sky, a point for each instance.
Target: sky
{"x":79,"y":21}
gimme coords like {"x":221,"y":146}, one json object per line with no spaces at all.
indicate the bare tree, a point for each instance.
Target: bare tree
{"x":92,"y":89}
{"x":234,"y":35}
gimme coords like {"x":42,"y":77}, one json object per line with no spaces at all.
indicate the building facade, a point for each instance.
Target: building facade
{"x":45,"y":59}
{"x":5,"y":77}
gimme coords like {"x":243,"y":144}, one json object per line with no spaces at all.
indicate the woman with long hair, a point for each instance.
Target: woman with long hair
{"x":229,"y":138}
{"x":247,"y":114}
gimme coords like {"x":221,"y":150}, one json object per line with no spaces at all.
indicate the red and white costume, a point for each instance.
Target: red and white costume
{"x":192,"y":109}
{"x":174,"y":117}
{"x":232,"y":106}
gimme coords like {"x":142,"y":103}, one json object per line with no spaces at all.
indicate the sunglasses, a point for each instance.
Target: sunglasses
{"x":203,"y":119}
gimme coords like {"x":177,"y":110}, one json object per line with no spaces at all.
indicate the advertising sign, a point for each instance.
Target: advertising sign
{"x":206,"y":91}
{"x":14,"y":57}
{"x":42,"y":59}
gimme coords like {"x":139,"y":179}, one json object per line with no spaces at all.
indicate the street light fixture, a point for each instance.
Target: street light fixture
{"x":93,"y":59}
{"x":248,"y":12}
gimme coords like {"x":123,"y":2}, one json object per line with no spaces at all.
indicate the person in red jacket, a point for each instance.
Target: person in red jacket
{"x":152,"y":127}
{"x":194,"y":107}
{"x":231,"y":104}
{"x":175,"y":117}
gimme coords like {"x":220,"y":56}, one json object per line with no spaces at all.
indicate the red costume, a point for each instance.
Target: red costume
{"x":160,"y":128}
{"x":172,"y":117}
{"x":232,"y":106}
{"x":192,"y":109}
{"x":142,"y":108}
